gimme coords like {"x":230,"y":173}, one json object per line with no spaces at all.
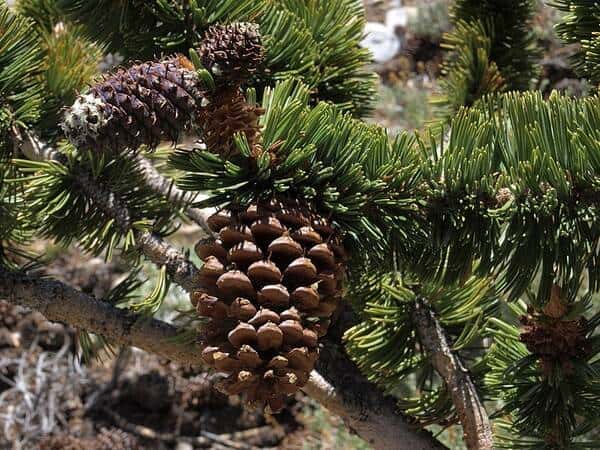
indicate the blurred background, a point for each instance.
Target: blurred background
{"x":52,"y":397}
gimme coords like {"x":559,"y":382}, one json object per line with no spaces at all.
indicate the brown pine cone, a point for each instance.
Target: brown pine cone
{"x":143,"y":104}
{"x":232,"y":53}
{"x":225,"y":115}
{"x":555,"y":340}
{"x":272,"y":280}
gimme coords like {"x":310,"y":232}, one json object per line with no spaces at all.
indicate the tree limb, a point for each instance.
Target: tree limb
{"x":348,"y":394}
{"x":62,"y":303}
{"x":471,"y":412}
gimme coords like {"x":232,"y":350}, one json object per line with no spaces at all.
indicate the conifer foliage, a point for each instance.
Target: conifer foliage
{"x":471,"y":265}
{"x":580,"y":26}
{"x":492,"y":49}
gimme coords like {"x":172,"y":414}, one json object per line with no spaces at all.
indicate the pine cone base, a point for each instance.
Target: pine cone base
{"x":272,"y":281}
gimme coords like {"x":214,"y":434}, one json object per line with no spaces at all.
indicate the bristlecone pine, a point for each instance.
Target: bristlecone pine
{"x":143,"y":104}
{"x":272,"y":281}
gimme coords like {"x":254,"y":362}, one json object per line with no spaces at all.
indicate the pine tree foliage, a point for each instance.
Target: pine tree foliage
{"x":495,"y":227}
{"x":471,"y":73}
{"x":333,"y":31}
{"x":580,"y":25}
{"x":492,"y":49}
{"x":385,"y":345}
{"x":71,"y":62}
{"x":13,"y":228}
{"x":68,"y":209}
{"x":508,"y":24}
{"x":20,"y":108}
{"x":551,"y":405}
{"x":146,"y":29}
{"x":20,"y":90}
{"x":514,"y":189}
{"x":313,"y":41}
{"x":45,"y":13}
{"x":510,"y":193}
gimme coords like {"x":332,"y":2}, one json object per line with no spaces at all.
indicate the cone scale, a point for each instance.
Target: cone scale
{"x":272,"y":280}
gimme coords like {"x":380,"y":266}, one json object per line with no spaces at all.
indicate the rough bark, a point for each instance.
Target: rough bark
{"x":471,"y":412}
{"x":347,"y":393}
{"x":61,"y":303}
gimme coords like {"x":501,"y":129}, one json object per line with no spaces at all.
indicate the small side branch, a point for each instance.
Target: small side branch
{"x":471,"y":412}
{"x":181,"y":269}
{"x":37,"y":150}
{"x":165,"y":187}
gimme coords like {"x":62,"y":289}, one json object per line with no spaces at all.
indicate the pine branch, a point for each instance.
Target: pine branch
{"x":370,"y":414}
{"x":471,"y":412}
{"x":60,"y":302}
{"x":182,"y":271}
{"x":151,"y":245}
{"x":36,"y":149}
{"x":165,"y":187}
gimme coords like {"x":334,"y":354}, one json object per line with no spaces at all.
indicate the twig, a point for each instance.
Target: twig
{"x":37,"y":150}
{"x":161,"y":253}
{"x":471,"y":412}
{"x":182,"y":271}
{"x":165,"y":187}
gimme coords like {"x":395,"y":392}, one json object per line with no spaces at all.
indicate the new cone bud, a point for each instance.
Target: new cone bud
{"x":143,"y":104}
{"x":272,"y":281}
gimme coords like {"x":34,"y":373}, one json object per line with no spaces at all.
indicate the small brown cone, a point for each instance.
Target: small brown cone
{"x":226,"y":114}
